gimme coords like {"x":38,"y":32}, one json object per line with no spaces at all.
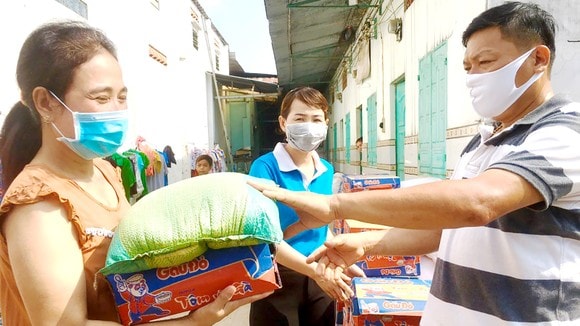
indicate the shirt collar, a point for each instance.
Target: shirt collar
{"x":286,"y":164}
{"x":557,"y":101}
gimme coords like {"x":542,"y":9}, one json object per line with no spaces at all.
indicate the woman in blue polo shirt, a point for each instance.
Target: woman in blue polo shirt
{"x":305,"y":298}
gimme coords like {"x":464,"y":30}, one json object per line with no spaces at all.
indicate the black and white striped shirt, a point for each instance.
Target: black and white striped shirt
{"x":523,"y":268}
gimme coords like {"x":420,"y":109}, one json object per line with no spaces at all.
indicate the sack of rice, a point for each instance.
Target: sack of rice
{"x":176,"y":223}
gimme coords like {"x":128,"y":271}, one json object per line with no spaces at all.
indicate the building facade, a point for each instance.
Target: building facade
{"x":401,"y":86}
{"x":165,"y":49}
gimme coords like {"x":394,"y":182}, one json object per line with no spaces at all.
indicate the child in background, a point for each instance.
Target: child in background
{"x":358,"y":144}
{"x":203,"y":165}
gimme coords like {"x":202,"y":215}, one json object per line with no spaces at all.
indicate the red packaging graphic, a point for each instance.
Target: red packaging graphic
{"x":383,"y":266}
{"x":163,"y":292}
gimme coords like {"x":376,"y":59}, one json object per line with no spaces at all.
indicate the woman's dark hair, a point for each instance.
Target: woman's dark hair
{"x":522,"y":23}
{"x":206,"y":158}
{"x":48,"y":58}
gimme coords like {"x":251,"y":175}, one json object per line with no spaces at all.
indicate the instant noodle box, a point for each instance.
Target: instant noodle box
{"x":352,"y":183}
{"x":337,"y":226}
{"x":386,"y":302}
{"x":163,"y":292}
{"x":339,"y":307}
{"x":383,"y":266}
{"x":390,"y":266}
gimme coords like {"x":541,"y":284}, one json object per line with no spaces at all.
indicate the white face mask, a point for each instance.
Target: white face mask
{"x":493,"y":92}
{"x":306,"y":136}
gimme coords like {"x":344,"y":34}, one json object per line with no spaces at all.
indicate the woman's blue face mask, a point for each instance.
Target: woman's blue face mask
{"x":97,"y":134}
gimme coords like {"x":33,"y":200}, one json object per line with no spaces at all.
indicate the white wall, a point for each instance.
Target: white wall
{"x":430,"y":23}
{"x":17,"y":20}
{"x":168,"y":104}
{"x":426,"y":24}
{"x":387,"y":64}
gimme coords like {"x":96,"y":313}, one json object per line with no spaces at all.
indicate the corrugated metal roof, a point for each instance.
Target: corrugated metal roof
{"x":310,"y":37}
{"x":247,"y":84}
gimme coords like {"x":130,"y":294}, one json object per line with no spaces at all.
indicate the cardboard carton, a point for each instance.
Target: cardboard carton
{"x":163,"y":292}
{"x":339,"y":313}
{"x":352,"y":183}
{"x":390,"y":266}
{"x":383,"y":266}
{"x":387,"y":301}
{"x":354,"y":226}
{"x":337,"y":226}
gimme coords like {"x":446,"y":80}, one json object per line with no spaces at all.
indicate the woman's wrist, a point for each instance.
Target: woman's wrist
{"x":312,"y":270}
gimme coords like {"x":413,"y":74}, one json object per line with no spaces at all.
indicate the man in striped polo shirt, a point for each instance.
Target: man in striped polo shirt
{"x":507,"y":224}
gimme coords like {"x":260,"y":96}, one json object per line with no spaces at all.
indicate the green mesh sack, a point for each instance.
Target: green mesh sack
{"x":174,"y":224}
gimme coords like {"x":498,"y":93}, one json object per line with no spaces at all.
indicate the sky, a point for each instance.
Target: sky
{"x":244,"y":26}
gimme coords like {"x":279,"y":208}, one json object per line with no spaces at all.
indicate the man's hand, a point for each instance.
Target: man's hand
{"x":339,"y":253}
{"x":314,"y":210}
{"x":354,"y":271}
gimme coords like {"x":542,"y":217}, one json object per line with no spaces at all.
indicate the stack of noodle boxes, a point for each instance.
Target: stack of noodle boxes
{"x":391,"y":293}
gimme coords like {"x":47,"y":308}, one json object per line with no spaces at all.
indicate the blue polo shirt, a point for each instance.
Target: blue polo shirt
{"x":279,"y":167}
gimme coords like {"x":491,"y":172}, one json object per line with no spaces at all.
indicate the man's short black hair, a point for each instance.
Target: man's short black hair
{"x":523,"y":24}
